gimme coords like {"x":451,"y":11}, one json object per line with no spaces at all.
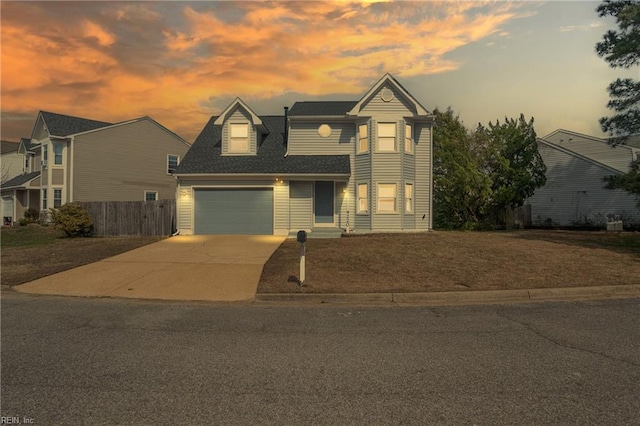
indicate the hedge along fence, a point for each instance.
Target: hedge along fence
{"x":121,"y":218}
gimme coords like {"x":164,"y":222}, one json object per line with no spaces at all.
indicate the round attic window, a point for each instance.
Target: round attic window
{"x":324,"y":130}
{"x":386,"y":95}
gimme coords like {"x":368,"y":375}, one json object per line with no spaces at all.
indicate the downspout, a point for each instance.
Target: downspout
{"x":286,"y":130}
{"x":71,"y":152}
{"x":431,"y":178}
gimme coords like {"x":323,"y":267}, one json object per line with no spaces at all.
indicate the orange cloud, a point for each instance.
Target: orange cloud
{"x":138,"y":59}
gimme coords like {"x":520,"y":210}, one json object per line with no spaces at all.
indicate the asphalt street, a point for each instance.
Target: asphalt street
{"x":77,"y":361}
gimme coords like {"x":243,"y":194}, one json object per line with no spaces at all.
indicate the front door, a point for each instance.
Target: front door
{"x":323,"y":204}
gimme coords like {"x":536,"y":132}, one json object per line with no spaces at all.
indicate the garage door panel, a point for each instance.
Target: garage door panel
{"x":234,"y":211}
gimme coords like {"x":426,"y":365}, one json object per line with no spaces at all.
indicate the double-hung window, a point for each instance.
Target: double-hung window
{"x":363,"y":198}
{"x":57,"y":153}
{"x":387,"y":137}
{"x":44,"y":199}
{"x":239,"y":138}
{"x":45,"y":156}
{"x":408,"y":198}
{"x":172,"y":163}
{"x":408,"y":139}
{"x":57,"y":198}
{"x":386,"y":198}
{"x":363,"y":138}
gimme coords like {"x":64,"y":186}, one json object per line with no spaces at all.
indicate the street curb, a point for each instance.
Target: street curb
{"x":458,"y":297}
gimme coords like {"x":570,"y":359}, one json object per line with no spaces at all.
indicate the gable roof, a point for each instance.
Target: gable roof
{"x":64,"y":125}
{"x":388,"y":78}
{"x":8,"y":146}
{"x":205,"y":155}
{"x":239,"y":102}
{"x":20,"y":180}
{"x":617,"y":157}
{"x":576,"y":155}
{"x":321,"y":108}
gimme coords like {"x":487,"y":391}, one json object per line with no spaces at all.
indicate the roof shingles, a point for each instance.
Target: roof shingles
{"x":64,"y":125}
{"x":205,"y":155}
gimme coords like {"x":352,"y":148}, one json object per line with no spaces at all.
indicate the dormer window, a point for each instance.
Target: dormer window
{"x":239,"y":138}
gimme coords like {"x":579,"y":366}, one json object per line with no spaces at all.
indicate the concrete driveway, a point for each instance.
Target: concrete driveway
{"x":219,"y":268}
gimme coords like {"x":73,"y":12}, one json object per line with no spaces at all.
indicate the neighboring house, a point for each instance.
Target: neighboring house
{"x":11,"y":165}
{"x":575,"y":192}
{"x":360,"y":166}
{"x":11,"y":161}
{"x":75,"y":159}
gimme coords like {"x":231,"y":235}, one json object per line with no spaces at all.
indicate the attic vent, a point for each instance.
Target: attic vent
{"x":386,"y":95}
{"x":324,"y":130}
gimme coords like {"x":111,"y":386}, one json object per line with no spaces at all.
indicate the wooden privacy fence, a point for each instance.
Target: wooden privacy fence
{"x":120,"y":218}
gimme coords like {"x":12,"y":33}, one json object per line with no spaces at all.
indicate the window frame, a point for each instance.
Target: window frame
{"x":408,"y":140}
{"x":365,"y":198}
{"x":170,"y":171}
{"x":362,"y":139}
{"x":232,"y":138}
{"x":147,"y":193}
{"x":409,"y":201}
{"x":380,"y":125}
{"x":45,"y":155}
{"x":394,"y":198}
{"x":58,"y":155}
{"x":44,"y":199}
{"x":57,"y":201}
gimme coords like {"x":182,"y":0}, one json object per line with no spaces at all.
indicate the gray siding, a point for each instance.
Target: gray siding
{"x":120,"y":163}
{"x":301,"y":205}
{"x":422,"y":181}
{"x":305,"y":140}
{"x":575,"y":192}
{"x":239,"y":115}
{"x":281,"y":199}
{"x":397,"y":106}
{"x":57,"y":177}
{"x":184,"y":207}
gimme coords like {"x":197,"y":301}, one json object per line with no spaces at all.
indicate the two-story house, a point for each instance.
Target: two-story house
{"x":71,"y":159}
{"x":356,"y":166}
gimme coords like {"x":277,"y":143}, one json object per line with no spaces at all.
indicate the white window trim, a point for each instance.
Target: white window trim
{"x":177,"y":164}
{"x":395,"y":137}
{"x":358,"y":198}
{"x":412,"y":198}
{"x":150,"y":192}
{"x":231,"y":138}
{"x":53,"y":150}
{"x":45,"y":155}
{"x":61,"y":198}
{"x":45,"y":204}
{"x":408,"y":141}
{"x":395,"y":198}
{"x":360,"y":138}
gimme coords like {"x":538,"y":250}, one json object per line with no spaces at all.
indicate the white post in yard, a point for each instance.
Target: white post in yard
{"x":302,"y":259}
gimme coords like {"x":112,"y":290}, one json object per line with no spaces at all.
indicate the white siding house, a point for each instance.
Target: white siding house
{"x":575,"y":192}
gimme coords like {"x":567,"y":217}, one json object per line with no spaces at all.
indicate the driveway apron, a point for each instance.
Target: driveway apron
{"x":219,"y":268}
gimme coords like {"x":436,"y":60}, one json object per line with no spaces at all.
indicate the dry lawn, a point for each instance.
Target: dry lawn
{"x":33,"y":252}
{"x":454,"y":261}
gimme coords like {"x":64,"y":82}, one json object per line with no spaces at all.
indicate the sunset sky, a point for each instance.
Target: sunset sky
{"x":181,"y":62}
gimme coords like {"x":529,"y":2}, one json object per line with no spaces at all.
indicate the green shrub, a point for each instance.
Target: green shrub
{"x":73,"y":220}
{"x":32,"y":215}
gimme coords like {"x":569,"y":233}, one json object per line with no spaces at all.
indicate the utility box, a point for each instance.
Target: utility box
{"x":615,"y":225}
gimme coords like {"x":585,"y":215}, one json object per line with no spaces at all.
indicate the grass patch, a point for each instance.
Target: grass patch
{"x":33,"y":252}
{"x":28,"y":236}
{"x":456,"y":261}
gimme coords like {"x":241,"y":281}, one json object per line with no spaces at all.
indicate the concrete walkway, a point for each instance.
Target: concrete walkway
{"x":215,"y":268}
